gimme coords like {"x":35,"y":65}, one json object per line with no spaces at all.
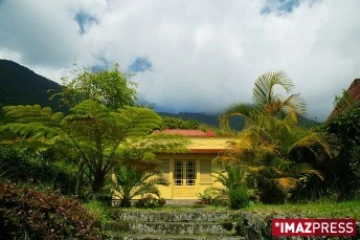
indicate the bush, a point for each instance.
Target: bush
{"x":104,"y":199}
{"x":162,"y":202}
{"x":130,"y":182}
{"x":99,"y":210}
{"x":239,"y":197}
{"x":342,"y":173}
{"x":206,"y":197}
{"x":149,"y":201}
{"x":22,"y":165}
{"x":43,"y":215}
{"x":272,"y":195}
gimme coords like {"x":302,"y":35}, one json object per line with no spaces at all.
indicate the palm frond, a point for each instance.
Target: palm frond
{"x":234,"y":110}
{"x":310,"y":140}
{"x":129,"y":183}
{"x":304,"y":171}
{"x":263,"y":92}
{"x":286,"y":184}
{"x":294,"y":105}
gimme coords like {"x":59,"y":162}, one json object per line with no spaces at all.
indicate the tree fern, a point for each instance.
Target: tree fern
{"x":102,"y":137}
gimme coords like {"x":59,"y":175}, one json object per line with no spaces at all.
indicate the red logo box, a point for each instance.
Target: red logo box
{"x":313,"y":227}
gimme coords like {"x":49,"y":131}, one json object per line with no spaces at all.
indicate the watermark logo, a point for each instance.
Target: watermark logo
{"x":313,"y":227}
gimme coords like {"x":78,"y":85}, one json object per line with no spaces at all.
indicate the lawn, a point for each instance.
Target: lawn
{"x":324,"y":209}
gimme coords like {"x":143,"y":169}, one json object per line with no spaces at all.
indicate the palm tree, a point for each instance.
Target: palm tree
{"x":233,"y":191}
{"x":272,"y":146}
{"x":130,"y":182}
{"x":265,"y":101}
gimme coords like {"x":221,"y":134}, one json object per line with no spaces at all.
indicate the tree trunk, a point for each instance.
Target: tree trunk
{"x":99,"y":182}
{"x":79,"y":177}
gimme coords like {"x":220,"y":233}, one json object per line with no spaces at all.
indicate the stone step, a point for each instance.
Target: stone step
{"x":128,"y":236}
{"x":198,"y":216}
{"x":174,"y":228}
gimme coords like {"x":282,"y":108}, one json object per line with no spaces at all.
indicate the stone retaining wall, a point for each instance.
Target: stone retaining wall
{"x":205,"y":224}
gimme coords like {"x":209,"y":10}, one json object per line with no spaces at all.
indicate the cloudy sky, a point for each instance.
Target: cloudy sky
{"x":192,"y":55}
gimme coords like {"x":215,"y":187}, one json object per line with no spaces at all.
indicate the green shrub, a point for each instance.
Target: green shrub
{"x":272,"y":195}
{"x":214,"y":197}
{"x":234,"y":191}
{"x":104,"y":199}
{"x":42,"y":215}
{"x":22,"y":165}
{"x":148,"y":201}
{"x":207,"y":196}
{"x":342,"y":173}
{"x":99,"y":209}
{"x":129,"y":182}
{"x":161,"y":201}
{"x":239,"y":197}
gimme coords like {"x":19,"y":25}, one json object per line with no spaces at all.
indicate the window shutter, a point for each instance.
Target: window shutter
{"x":205,"y":171}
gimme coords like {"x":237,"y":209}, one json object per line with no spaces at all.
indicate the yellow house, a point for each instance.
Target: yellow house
{"x":191,"y":173}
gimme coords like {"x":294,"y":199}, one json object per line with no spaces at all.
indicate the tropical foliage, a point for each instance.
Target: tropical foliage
{"x":344,"y":101}
{"x":103,"y":141}
{"x":272,"y":146}
{"x":26,"y":213}
{"x":178,"y":123}
{"x":130,"y":182}
{"x":75,"y":152}
{"x":266,"y":102}
{"x":234,"y":191}
{"x":99,"y":136}
{"x":109,"y":87}
{"x":343,"y":171}
{"x":21,"y":165}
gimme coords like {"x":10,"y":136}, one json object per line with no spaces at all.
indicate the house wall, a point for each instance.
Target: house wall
{"x":206,"y":165}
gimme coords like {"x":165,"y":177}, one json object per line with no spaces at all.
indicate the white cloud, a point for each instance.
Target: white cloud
{"x":205,"y":54}
{"x":9,"y":54}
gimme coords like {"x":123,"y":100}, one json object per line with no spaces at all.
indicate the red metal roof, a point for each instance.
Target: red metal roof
{"x":210,"y":134}
{"x":187,"y":132}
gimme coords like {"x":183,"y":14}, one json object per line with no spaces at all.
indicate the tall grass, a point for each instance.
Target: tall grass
{"x":4,"y":172}
{"x":325,"y":209}
{"x":99,"y":209}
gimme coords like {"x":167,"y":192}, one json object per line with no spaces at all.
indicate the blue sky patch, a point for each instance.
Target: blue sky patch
{"x":280,"y":6}
{"x":84,"y":21}
{"x":141,"y":64}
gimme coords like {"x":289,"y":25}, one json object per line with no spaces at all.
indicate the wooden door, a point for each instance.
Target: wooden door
{"x":185,"y":182}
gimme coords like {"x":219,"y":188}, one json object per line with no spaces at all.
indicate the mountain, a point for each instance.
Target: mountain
{"x":21,"y":86}
{"x":236,"y":122}
{"x":211,"y":119}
